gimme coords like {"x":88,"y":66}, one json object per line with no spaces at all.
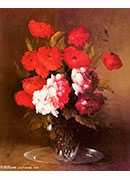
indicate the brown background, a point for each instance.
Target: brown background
{"x":13,"y":31}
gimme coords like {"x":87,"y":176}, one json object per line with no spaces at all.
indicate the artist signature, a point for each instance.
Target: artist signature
{"x":10,"y":167}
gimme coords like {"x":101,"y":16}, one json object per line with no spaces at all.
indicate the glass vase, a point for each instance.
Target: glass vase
{"x":65,"y":146}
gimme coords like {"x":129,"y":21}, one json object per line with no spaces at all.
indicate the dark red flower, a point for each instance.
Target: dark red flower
{"x":24,"y":99}
{"x":32,"y":84}
{"x":50,"y":58}
{"x":89,"y":105}
{"x":75,"y":58}
{"x":28,"y":60}
{"x":78,"y":36}
{"x":40,"y":29}
{"x":112,"y":61}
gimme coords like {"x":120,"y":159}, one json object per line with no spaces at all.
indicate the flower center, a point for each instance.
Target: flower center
{"x":74,"y":58}
{"x":49,"y":56}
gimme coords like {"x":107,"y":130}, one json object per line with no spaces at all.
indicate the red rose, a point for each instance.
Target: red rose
{"x":112,"y":61}
{"x":40,"y":29}
{"x":50,"y":58}
{"x":78,"y":36}
{"x":23,"y":99}
{"x":28,"y":60}
{"x":32,"y":84}
{"x":75,"y":58}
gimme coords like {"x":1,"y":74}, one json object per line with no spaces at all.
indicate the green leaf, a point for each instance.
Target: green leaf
{"x":29,"y":44}
{"x":86,"y":121}
{"x":83,"y":120}
{"x":20,"y":71}
{"x":92,"y":52}
{"x":87,"y":47}
{"x":61,"y":43}
{"x":57,"y":40}
{"x":37,"y":121}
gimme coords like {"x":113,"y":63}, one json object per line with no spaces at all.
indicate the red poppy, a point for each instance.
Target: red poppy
{"x":112,"y":61}
{"x":40,"y":29}
{"x":49,"y":58}
{"x":24,"y":99}
{"x":32,"y":84}
{"x":78,"y":36}
{"x":75,"y":58}
{"x":28,"y":60}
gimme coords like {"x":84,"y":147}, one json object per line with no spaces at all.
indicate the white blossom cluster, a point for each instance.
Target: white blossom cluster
{"x":46,"y":99}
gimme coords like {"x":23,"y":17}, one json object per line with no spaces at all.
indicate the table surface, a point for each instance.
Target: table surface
{"x":116,"y":148}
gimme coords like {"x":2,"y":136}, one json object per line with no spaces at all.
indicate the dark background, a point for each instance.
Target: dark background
{"x":13,"y":31}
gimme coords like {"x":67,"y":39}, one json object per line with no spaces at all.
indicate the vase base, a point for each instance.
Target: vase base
{"x":46,"y":155}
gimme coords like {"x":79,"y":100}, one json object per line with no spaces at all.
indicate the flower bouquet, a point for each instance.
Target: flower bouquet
{"x":60,"y":86}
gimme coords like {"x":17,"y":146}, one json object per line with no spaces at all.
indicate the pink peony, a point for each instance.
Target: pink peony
{"x":54,"y":95}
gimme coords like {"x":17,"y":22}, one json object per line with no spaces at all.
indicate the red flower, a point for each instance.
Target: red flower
{"x":112,"y":61}
{"x":31,"y":63}
{"x":32,"y":84}
{"x":40,"y":29}
{"x":41,"y":70}
{"x":28,"y":60}
{"x":50,"y":58}
{"x":23,"y":99}
{"x":75,"y":58}
{"x":78,"y":36}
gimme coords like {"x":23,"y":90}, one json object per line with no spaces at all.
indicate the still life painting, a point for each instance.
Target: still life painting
{"x":64,"y":89}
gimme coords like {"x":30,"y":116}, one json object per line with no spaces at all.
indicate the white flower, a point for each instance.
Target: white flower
{"x":49,"y":98}
{"x":77,"y":78}
{"x":76,"y":88}
{"x":83,"y":69}
{"x":43,"y":99}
